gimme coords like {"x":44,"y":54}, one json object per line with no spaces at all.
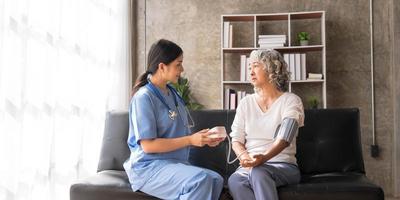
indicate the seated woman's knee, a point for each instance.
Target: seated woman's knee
{"x":259,"y":172}
{"x":234,"y":180}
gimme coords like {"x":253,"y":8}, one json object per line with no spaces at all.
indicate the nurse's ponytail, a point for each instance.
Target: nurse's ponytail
{"x":162,"y":51}
{"x":140,"y":82}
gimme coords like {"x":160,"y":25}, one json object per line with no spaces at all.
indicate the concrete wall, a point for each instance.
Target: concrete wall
{"x":195,"y":26}
{"x":396,"y":95}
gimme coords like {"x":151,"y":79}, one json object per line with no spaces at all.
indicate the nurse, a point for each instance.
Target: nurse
{"x":159,"y":134}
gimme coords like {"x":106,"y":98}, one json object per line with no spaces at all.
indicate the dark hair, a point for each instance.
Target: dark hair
{"x":162,"y":51}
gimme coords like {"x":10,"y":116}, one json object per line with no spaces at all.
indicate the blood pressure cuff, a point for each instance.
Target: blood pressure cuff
{"x":287,"y":129}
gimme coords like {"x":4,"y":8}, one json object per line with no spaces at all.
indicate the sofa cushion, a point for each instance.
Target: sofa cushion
{"x":114,"y":150}
{"x":332,"y":186}
{"x":105,"y":185}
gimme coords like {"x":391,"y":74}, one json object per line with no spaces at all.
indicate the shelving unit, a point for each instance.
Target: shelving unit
{"x":245,"y":31}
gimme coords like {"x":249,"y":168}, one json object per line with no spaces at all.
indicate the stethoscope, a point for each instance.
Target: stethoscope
{"x":172,"y":114}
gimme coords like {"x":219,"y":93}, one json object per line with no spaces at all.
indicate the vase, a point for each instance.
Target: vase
{"x":303,"y":42}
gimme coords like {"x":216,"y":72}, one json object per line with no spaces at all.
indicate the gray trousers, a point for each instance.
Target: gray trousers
{"x":261,"y":182}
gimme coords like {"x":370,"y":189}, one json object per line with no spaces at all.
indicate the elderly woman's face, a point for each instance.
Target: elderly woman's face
{"x":258,"y":74}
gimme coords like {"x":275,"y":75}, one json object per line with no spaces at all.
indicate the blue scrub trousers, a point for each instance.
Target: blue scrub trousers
{"x":261,"y":181}
{"x":182,"y":181}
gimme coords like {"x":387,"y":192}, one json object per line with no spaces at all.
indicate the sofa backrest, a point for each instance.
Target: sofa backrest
{"x":114,"y":150}
{"x":213,"y":158}
{"x":329,"y":142}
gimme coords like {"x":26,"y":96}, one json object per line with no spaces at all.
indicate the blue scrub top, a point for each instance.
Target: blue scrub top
{"x":148,"y":119}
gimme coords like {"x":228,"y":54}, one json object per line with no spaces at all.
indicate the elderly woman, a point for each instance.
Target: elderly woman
{"x":264,"y":131}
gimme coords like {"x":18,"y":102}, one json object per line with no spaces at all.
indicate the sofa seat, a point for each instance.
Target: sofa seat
{"x":332,"y":186}
{"x":105,"y":185}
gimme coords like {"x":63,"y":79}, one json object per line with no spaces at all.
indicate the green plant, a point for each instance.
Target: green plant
{"x":183,"y":88}
{"x":303,"y":36}
{"x":313,"y":102}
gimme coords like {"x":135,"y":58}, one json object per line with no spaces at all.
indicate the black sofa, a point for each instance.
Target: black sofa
{"x":328,"y":153}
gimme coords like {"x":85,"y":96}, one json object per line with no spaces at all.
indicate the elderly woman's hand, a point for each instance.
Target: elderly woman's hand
{"x":257,"y":160}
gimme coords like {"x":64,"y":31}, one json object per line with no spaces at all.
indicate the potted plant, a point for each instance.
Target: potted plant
{"x":303,"y":38}
{"x":313,"y":102}
{"x":182,"y":87}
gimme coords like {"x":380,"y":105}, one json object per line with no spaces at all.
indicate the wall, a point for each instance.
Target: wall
{"x":195,"y":25}
{"x":396,"y":95}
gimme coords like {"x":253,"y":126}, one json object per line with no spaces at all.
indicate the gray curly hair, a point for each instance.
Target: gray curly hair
{"x":275,"y":66}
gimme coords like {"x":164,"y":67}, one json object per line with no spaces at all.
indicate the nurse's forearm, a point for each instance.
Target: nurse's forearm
{"x":162,"y":145}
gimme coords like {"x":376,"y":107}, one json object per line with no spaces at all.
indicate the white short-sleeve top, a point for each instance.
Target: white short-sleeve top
{"x":253,"y":127}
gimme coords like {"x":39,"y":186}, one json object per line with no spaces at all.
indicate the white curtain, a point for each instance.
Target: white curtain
{"x":63,"y":64}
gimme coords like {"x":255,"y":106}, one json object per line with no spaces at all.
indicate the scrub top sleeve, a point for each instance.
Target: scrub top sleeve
{"x":143,"y":118}
{"x":294,"y":109}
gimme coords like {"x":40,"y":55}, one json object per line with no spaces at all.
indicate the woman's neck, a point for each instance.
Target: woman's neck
{"x":158,"y":82}
{"x":269,"y":92}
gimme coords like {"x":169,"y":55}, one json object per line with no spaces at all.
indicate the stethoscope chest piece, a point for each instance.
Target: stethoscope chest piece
{"x":172,"y":114}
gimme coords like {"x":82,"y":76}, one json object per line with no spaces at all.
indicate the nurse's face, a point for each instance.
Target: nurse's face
{"x":174,"y":70}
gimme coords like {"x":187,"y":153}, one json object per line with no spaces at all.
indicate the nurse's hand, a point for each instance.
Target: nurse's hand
{"x":201,"y":138}
{"x":215,"y":143}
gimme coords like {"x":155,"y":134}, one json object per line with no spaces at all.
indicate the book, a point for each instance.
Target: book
{"x":265,"y":41}
{"x":248,"y":69}
{"x":230,"y":45}
{"x":226,"y":34}
{"x":314,"y":76}
{"x":271,"y":36}
{"x":268,"y":41}
{"x":303,"y":67}
{"x":232,"y":99}
{"x":271,"y":45}
{"x":291,"y":66}
{"x":286,"y":58}
{"x":242,"y":67}
{"x":297,"y":66}
{"x":226,"y":99}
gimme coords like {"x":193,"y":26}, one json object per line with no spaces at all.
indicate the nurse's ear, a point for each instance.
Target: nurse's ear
{"x":162,"y":67}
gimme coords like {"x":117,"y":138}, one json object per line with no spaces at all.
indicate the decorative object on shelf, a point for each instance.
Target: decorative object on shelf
{"x":303,"y":38}
{"x":182,"y":87}
{"x":313,"y":102}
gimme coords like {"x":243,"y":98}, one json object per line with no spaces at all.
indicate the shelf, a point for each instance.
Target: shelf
{"x":299,"y":49}
{"x":232,"y":18}
{"x":272,"y":17}
{"x":246,"y":30}
{"x":280,"y":49}
{"x":236,"y":82}
{"x":298,"y":81}
{"x":238,"y":50}
{"x":306,"y":15}
{"x":308,"y":81}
